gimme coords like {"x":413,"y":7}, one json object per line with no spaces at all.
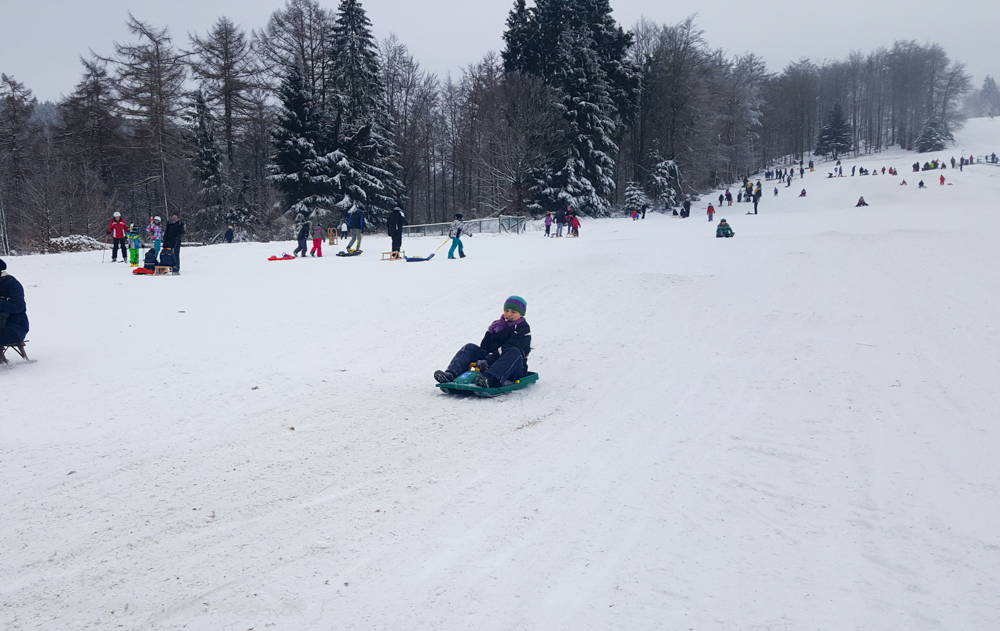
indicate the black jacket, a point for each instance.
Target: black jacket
{"x":517,"y":337}
{"x":172,"y":235}
{"x":395,"y":223}
{"x":560,"y":216}
{"x":12,"y":305}
{"x":149,"y":262}
{"x":229,"y":235}
{"x":304,"y":231}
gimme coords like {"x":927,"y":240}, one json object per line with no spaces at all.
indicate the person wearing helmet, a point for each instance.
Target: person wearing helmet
{"x":155,"y":232}
{"x":118,"y":229}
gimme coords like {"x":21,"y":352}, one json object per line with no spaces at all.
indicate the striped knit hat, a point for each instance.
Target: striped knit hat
{"x":516,"y":303}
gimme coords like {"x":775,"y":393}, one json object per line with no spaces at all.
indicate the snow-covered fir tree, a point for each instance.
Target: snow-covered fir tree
{"x":836,"y":137}
{"x":582,"y":174}
{"x":635,"y":197}
{"x":206,"y":162}
{"x":296,"y":169}
{"x":361,"y":158}
{"x":576,"y":47}
{"x":934,"y":136}
{"x":666,"y":181}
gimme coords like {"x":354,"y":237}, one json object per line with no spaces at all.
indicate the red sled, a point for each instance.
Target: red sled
{"x":283,"y":257}
{"x":142,"y":271}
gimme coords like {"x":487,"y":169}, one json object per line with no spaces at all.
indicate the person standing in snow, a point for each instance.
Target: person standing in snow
{"x":687,"y":208}
{"x":560,"y":221}
{"x":302,"y":230}
{"x":356,"y":224}
{"x":343,"y":229}
{"x":756,"y":199}
{"x":644,"y":208}
{"x":574,"y":226}
{"x":722,"y":200}
{"x":317,"y":236}
{"x":711,"y":213}
{"x":502,"y":356}
{"x":394,"y":226}
{"x":229,"y":234}
{"x":13,"y":311}
{"x":548,"y":224}
{"x":729,"y":197}
{"x":118,"y":230}
{"x":455,"y":233}
{"x":942,"y":180}
{"x":172,"y":240}
{"x":155,"y":232}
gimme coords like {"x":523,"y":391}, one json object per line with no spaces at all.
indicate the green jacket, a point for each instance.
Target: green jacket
{"x":723,"y":230}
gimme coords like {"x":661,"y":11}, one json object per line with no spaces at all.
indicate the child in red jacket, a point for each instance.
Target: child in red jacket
{"x":117,"y":229}
{"x":711,"y":212}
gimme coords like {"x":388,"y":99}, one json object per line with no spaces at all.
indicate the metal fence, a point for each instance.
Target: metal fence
{"x":496,"y":225}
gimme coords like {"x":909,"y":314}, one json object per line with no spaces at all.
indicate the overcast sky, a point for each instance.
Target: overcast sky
{"x":41,"y":40}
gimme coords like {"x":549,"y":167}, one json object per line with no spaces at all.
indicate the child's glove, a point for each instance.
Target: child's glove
{"x":482,"y":366}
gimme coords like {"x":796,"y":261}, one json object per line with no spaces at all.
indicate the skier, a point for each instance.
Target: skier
{"x":356,"y":224}
{"x":13,"y":312}
{"x":502,"y":356}
{"x":172,"y":239}
{"x":560,"y":221}
{"x":395,"y":225}
{"x":118,"y":230}
{"x":229,"y":234}
{"x":548,"y":224}
{"x":302,"y":230}
{"x":155,"y":233}
{"x":861,"y":202}
{"x":317,"y":236}
{"x":724,"y":230}
{"x":711,"y":212}
{"x":456,"y":236}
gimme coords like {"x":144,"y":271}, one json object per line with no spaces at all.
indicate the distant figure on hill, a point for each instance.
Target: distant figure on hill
{"x":803,"y":193}
{"x":903,"y":183}
{"x":560,"y":221}
{"x":775,"y":191}
{"x":724,"y":230}
{"x":229,"y":234}
{"x":921,"y":185}
{"x":861,"y":202}
{"x":711,"y":212}
{"x":687,"y":208}
{"x":942,"y":180}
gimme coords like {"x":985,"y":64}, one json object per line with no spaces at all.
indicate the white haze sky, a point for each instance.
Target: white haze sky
{"x":41,"y":41}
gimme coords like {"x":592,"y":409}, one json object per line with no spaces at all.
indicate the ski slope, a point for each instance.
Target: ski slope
{"x":795,"y":429}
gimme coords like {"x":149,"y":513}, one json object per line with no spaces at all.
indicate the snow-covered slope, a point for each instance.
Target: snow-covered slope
{"x":792,"y":429}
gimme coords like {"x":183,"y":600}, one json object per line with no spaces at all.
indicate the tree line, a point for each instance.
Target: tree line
{"x":310,"y":115}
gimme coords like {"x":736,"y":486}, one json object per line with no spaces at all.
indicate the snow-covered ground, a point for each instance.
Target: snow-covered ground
{"x":794,"y":429}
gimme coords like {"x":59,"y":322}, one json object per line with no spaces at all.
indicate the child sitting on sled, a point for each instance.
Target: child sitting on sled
{"x":502,"y":356}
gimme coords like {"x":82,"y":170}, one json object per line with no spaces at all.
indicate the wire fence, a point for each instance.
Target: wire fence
{"x":495,"y":225}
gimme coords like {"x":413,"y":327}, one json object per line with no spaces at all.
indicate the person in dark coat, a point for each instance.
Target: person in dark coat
{"x":13,"y":311}
{"x":172,"y":239}
{"x":502,"y":356}
{"x":394,"y":226}
{"x":302,"y":230}
{"x":560,"y":221}
{"x":229,"y":234}
{"x":356,"y":224}
{"x":149,"y":262}
{"x":687,"y":208}
{"x":644,"y":208}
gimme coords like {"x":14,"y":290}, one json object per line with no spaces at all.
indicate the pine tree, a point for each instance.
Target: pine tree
{"x":989,"y":97}
{"x":666,"y":181}
{"x":361,"y":163}
{"x":934,"y":136}
{"x":576,"y":47}
{"x":836,"y":136}
{"x":296,"y":168}
{"x":635,"y":197}
{"x":206,"y":163}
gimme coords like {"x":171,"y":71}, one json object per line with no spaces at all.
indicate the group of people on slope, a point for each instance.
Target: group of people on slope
{"x":305,"y":229}
{"x":562,"y":218}
{"x":166,"y":242}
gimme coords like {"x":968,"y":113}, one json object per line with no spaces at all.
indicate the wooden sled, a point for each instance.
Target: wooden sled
{"x":393,"y":256}
{"x":18,"y":348}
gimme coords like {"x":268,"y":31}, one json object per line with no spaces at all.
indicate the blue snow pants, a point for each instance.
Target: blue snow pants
{"x":511,"y":365}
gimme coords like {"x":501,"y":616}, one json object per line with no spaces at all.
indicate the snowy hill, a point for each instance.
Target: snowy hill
{"x":792,"y":429}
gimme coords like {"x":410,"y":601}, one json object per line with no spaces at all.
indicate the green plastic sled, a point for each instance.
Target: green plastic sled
{"x":466,"y":384}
